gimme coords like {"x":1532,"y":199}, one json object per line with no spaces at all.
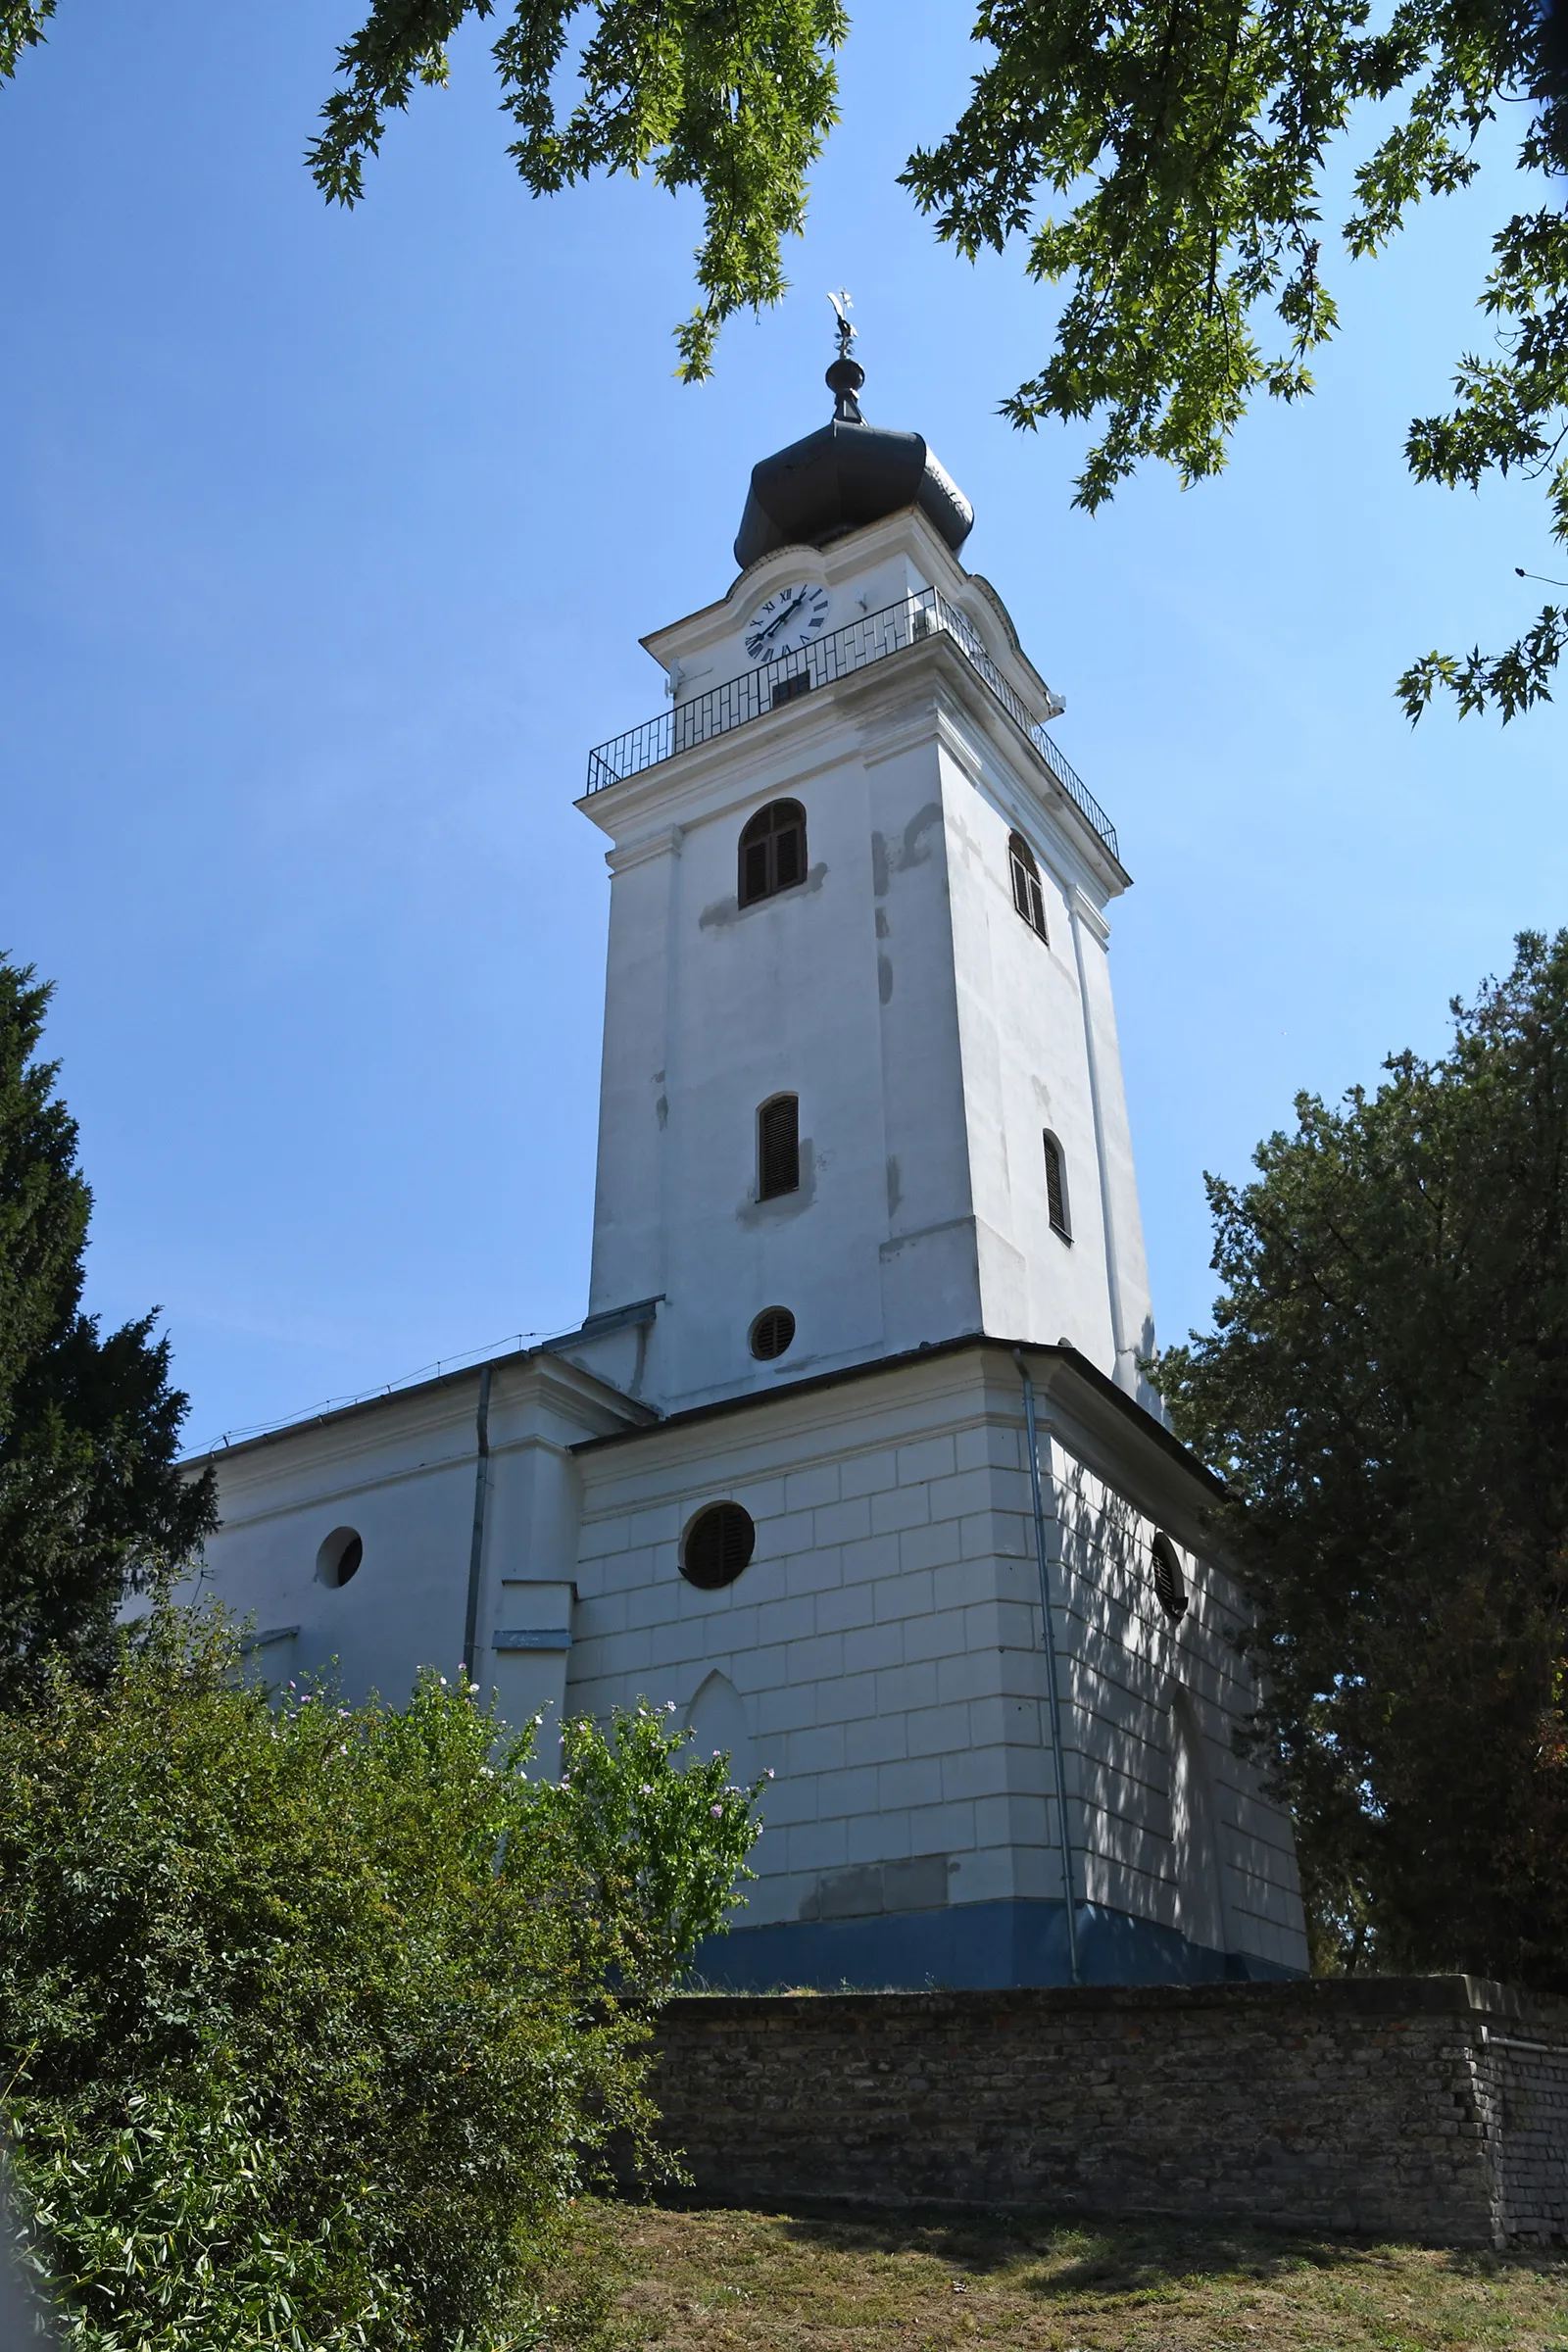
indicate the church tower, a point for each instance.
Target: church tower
{"x":851,"y":1462}
{"x":861,"y":1091}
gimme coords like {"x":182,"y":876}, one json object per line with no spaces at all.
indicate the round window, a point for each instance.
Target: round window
{"x":718,"y":1544}
{"x":772,"y":1333}
{"x":1170,"y":1586}
{"x":339,"y":1557}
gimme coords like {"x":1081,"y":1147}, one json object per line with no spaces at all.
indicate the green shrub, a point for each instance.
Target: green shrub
{"x":318,"y":2018}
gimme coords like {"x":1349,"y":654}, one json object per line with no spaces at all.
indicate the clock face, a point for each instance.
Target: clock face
{"x":790,"y":619}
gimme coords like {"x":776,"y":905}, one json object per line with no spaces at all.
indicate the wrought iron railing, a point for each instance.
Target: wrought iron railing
{"x":925,"y":613}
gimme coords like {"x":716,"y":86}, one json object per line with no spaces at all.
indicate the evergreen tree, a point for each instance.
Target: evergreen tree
{"x":90,"y":1499}
{"x":1386,"y":1393}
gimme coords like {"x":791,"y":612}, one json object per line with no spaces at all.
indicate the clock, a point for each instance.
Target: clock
{"x":790,"y":621}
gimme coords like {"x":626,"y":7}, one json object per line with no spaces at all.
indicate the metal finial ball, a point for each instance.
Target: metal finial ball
{"x":843,"y":380}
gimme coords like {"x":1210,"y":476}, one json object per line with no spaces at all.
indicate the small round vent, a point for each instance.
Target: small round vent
{"x":340,"y":1556}
{"x":772,"y":1333}
{"x":718,"y":1544}
{"x":1170,"y":1586}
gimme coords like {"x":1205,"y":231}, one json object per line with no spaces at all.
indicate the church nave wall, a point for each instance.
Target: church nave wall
{"x":885,"y":1647}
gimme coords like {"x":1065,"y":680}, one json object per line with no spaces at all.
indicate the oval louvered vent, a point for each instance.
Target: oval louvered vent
{"x":773,"y":1332}
{"x":1170,"y":1586}
{"x":718,"y":1544}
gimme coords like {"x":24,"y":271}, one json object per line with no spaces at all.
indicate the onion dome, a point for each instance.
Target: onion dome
{"x":844,"y":476}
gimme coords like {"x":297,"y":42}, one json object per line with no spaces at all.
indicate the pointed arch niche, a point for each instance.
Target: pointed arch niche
{"x":1202,"y":1891}
{"x":717,"y":1719}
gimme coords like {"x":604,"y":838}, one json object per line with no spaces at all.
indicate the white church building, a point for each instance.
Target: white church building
{"x":866,"y":1218}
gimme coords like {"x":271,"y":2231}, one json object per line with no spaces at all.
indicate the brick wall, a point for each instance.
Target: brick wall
{"x":1434,"y":2108}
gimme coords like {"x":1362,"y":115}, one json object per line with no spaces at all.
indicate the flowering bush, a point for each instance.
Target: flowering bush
{"x":315,"y":2018}
{"x":652,"y":1839}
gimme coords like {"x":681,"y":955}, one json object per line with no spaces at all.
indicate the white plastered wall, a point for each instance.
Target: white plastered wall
{"x":885,"y":1644}
{"x":1125,"y":1664}
{"x":403,"y":1471}
{"x":930,"y":1036}
{"x":883,"y":1649}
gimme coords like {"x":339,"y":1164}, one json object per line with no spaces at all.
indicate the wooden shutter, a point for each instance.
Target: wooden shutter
{"x":718,"y":1544}
{"x":772,"y":852}
{"x":1020,"y":883}
{"x":1027,"y":896}
{"x":787,"y":862}
{"x":1056,"y":1189}
{"x":779,"y":1146}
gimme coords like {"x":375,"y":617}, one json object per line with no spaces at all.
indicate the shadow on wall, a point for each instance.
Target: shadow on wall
{"x":1202,"y":1908}
{"x":1149,"y":1397}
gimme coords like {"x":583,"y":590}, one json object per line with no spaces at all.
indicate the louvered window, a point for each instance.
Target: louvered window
{"x":1057,"y":1189}
{"x":1170,"y":1586}
{"x":773,"y":1332}
{"x":778,"y":1147}
{"x":1027,"y":895}
{"x":772,"y":852}
{"x":718,"y":1544}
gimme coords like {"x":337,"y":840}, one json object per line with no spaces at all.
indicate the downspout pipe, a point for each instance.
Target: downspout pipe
{"x":481,"y":1488}
{"x":1053,"y":1693}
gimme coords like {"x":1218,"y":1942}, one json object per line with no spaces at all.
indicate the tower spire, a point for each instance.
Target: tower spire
{"x":846,"y":375}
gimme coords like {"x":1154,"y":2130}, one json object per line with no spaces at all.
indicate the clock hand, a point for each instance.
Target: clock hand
{"x":782,"y":617}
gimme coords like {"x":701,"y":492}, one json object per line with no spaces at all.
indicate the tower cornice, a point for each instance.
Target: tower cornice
{"x":786,"y":746}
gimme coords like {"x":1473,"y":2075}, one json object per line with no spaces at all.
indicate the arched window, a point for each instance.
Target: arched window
{"x":1027,"y":895}
{"x":772,"y":852}
{"x":779,"y":1146}
{"x":1057,"y":1188}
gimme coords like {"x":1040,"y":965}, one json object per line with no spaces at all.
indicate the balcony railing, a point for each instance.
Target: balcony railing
{"x":925,"y":613}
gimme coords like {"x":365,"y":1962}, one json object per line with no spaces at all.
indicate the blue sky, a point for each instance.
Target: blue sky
{"x":325,"y":543}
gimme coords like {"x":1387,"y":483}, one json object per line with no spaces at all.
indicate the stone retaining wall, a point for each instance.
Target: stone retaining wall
{"x":1432,"y":2107}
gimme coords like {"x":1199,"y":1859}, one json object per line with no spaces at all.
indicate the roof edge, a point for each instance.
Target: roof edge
{"x":931,"y":1351}
{"x":640,"y":1414}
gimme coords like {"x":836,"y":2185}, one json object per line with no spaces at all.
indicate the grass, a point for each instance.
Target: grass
{"x":799,"y":2280}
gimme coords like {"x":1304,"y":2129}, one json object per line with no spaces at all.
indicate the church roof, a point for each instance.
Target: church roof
{"x":1136,"y":1416}
{"x":844,"y":476}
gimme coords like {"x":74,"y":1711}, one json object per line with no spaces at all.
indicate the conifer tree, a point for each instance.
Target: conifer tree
{"x":90,"y":1499}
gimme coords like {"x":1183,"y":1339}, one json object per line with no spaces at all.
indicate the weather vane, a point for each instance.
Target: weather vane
{"x":843,"y":305}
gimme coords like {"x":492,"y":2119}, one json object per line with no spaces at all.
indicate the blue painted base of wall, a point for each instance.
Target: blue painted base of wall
{"x":971,"y":1948}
